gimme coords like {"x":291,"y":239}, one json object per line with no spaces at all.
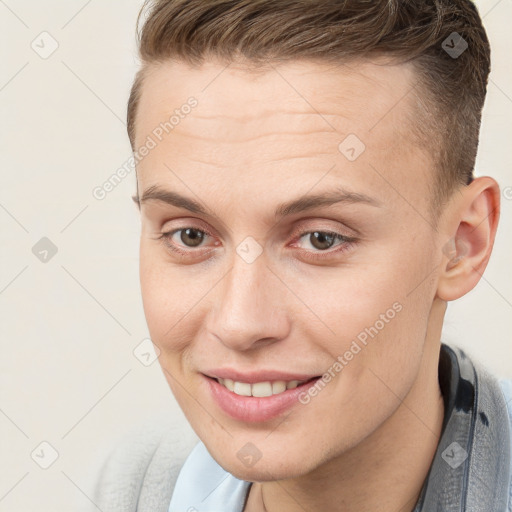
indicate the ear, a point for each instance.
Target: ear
{"x":472,"y":224}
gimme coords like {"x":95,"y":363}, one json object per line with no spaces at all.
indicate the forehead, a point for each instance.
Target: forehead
{"x":268,"y":123}
{"x":361,"y":91}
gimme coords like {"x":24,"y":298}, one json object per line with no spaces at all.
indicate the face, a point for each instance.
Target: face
{"x":252,"y":280}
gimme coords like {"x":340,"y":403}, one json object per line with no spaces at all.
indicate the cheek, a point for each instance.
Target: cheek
{"x":156,"y":298}
{"x":348,"y":303}
{"x":374,"y":316}
{"x":162,"y":298}
{"x":174,"y":298}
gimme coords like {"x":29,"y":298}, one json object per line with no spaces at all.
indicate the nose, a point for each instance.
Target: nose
{"x":249,"y":310}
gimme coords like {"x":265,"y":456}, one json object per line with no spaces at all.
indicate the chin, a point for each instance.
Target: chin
{"x":265,"y":471}
{"x":276,"y":464}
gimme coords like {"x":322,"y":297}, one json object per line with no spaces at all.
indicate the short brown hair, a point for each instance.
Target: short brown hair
{"x":451,"y":90}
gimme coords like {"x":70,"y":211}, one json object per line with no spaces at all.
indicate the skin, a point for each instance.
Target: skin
{"x":254,"y":141}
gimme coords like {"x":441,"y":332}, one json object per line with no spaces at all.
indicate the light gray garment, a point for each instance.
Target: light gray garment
{"x":471,"y":470}
{"x":140,"y":476}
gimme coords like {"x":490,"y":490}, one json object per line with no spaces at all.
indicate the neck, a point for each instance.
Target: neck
{"x":387,"y":470}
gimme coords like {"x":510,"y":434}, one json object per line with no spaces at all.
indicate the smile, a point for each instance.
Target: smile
{"x":259,"y":389}
{"x":259,"y":400}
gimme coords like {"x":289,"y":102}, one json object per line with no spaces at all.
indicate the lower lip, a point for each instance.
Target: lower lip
{"x":255,"y":409}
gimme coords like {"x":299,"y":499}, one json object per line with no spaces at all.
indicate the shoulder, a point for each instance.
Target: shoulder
{"x":506,"y":386}
{"x":140,"y":471}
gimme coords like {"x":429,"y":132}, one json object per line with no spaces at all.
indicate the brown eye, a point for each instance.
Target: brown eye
{"x":321,"y":240}
{"x":191,"y":237}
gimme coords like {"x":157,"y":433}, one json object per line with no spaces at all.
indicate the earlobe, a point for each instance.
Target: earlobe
{"x":472,"y":224}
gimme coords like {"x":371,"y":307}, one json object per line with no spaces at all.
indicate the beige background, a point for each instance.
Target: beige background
{"x":68,"y":327}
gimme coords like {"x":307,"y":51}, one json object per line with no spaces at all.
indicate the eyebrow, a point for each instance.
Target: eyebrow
{"x":302,"y":204}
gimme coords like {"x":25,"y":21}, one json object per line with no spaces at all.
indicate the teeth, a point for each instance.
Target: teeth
{"x":278,"y":387}
{"x":262,"y":389}
{"x":242,"y":388}
{"x":229,"y":384}
{"x":259,"y":389}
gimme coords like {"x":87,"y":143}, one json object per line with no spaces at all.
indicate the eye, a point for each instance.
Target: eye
{"x":189,"y":238}
{"x":183,"y":241}
{"x":321,"y":241}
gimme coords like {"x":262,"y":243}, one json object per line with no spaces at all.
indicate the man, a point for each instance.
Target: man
{"x":308,"y":207}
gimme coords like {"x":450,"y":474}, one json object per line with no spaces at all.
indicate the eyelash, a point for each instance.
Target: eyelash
{"x":166,"y":237}
{"x":315,"y":255}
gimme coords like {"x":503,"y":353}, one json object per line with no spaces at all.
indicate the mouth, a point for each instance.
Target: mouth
{"x":261,"y":389}
{"x":257,"y":401}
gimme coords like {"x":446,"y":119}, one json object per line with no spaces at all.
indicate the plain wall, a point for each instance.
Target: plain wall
{"x":68,"y":327}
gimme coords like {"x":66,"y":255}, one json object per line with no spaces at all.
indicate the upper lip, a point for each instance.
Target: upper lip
{"x":257,"y":376}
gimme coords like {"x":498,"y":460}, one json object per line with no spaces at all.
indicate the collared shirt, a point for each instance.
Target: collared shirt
{"x":471,"y":469}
